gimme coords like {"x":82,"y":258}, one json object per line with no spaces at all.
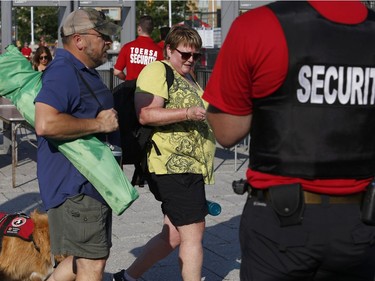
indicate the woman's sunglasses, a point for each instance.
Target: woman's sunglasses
{"x":187,"y":55}
{"x":43,"y":58}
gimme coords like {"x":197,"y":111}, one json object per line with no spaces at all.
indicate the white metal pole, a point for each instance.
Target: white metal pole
{"x":170,"y":12}
{"x":32,"y":26}
{"x":213,"y":13}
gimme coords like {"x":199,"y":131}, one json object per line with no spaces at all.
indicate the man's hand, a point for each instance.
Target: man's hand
{"x":108,"y":120}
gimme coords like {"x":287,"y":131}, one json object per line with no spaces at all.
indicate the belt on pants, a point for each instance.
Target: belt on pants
{"x":317,"y":198}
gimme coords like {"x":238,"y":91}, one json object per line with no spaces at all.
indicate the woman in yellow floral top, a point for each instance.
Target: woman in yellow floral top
{"x":183,"y":162}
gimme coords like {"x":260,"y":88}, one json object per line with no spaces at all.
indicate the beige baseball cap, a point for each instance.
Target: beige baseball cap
{"x":88,"y":18}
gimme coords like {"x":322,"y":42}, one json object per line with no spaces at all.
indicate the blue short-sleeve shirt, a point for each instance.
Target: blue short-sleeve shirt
{"x":63,"y":89}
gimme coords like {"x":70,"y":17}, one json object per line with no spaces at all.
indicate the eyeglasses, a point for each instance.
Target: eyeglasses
{"x":187,"y":55}
{"x":105,"y":38}
{"x":43,"y":58}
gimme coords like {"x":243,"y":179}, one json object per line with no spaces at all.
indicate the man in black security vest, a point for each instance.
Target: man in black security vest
{"x":301,"y":81}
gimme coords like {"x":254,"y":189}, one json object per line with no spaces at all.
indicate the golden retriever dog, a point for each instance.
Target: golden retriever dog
{"x":22,"y":260}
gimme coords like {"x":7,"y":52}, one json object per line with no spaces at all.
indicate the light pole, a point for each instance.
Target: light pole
{"x":170,"y":12}
{"x":32,"y":25}
{"x":213,"y":13}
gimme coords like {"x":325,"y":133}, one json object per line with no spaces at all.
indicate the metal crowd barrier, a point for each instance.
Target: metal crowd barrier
{"x":109,"y":79}
{"x":202,"y":76}
{"x":112,"y":81}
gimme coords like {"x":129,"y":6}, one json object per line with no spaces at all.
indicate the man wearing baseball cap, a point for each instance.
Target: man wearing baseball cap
{"x":73,"y":103}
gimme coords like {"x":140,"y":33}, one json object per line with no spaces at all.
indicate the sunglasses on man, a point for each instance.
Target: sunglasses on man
{"x":187,"y":55}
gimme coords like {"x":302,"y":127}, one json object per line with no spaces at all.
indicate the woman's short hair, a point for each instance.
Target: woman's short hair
{"x":182,"y":34}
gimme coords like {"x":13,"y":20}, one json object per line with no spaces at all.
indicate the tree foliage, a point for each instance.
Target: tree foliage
{"x":45,"y":23}
{"x":159,"y":11}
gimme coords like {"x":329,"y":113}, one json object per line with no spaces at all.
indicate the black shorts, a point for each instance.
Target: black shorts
{"x":183,"y":197}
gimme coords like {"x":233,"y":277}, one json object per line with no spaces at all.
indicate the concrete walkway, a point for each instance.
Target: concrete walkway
{"x":143,"y":219}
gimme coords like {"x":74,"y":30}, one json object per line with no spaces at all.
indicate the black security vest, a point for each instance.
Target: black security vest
{"x":321,"y":122}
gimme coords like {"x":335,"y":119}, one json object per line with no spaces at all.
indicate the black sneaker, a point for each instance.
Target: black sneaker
{"x":119,"y":276}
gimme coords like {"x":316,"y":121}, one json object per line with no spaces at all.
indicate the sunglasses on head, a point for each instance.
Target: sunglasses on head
{"x":187,"y":55}
{"x":43,"y":57}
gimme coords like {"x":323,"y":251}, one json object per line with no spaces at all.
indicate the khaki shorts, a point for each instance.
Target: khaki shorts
{"x":81,"y":227}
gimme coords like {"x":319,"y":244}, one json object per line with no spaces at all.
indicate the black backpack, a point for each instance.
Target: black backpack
{"x":135,"y":138}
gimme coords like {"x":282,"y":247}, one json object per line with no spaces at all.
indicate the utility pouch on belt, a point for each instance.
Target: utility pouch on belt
{"x":288,"y":203}
{"x":368,"y":205}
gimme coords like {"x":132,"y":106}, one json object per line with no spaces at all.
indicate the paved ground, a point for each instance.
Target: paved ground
{"x":143,"y":219}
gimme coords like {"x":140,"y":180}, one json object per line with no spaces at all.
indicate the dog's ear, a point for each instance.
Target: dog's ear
{"x":41,"y":234}
{"x":35,"y":212}
{"x":41,"y":231}
{"x":40,"y":219}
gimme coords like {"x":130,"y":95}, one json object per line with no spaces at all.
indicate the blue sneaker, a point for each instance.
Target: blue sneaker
{"x":119,"y":276}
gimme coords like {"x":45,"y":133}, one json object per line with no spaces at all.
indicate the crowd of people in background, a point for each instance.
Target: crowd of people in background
{"x":43,"y":49}
{"x":40,"y":54}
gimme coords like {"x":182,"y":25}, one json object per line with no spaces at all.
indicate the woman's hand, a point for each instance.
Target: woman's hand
{"x":195,"y":113}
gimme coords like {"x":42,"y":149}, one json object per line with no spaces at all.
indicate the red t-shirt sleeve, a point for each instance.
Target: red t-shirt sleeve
{"x":252,"y":63}
{"x":121,"y":58}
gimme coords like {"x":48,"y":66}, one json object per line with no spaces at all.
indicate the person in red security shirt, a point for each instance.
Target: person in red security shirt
{"x":299,"y":77}
{"x":26,"y":51}
{"x":135,"y":55}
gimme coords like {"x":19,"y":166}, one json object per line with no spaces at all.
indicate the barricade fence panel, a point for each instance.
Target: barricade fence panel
{"x":202,"y":76}
{"x":109,"y":79}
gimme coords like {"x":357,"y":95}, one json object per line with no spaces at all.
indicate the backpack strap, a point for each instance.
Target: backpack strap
{"x":86,"y":84}
{"x":147,"y":131}
{"x":169,"y":76}
{"x":90,"y":90}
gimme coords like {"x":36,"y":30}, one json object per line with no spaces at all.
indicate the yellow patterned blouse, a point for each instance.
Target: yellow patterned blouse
{"x":185,"y":147}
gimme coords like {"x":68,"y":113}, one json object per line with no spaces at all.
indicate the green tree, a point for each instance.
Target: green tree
{"x":159,"y":11}
{"x":45,"y":23}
